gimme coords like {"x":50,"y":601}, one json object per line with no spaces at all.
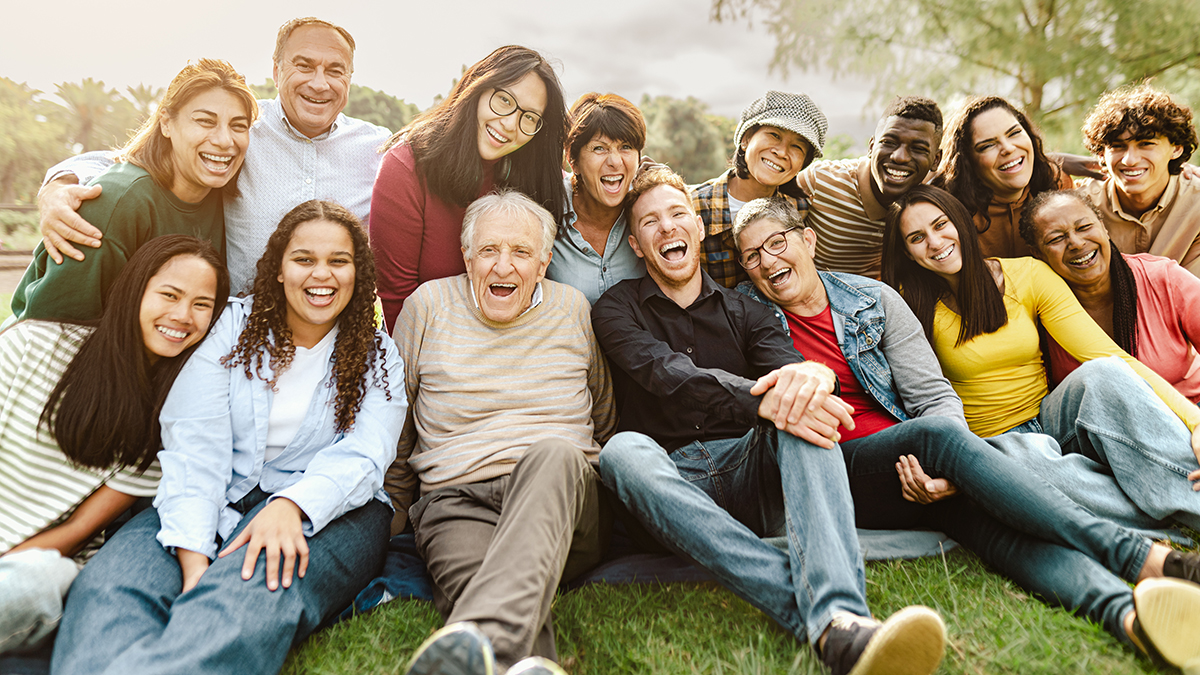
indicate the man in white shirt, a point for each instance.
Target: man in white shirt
{"x":302,"y":148}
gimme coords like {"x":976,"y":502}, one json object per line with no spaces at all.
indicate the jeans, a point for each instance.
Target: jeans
{"x":33,"y":586}
{"x":1113,"y":447}
{"x":125,"y":613}
{"x":1009,"y":516}
{"x":711,"y":502}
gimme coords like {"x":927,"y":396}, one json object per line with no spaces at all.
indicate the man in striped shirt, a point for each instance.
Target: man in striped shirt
{"x":849,"y":198}
{"x":511,"y":399}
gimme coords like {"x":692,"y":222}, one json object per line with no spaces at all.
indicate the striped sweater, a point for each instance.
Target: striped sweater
{"x":845,"y":215}
{"x":39,"y":487}
{"x":480,"y":393}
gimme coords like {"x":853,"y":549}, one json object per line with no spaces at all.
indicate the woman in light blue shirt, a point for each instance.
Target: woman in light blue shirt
{"x":271,"y":513}
{"x":604,"y":144}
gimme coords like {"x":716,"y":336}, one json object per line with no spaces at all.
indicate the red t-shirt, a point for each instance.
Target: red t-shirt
{"x":816,"y":339}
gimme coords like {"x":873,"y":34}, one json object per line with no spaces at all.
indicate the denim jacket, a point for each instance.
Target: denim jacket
{"x":884,"y":345}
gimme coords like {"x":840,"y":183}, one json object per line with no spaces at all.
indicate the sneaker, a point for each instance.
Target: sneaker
{"x":1184,"y":566}
{"x":536,"y":665}
{"x":457,"y":649}
{"x":911,"y":642}
{"x":1168,"y":621}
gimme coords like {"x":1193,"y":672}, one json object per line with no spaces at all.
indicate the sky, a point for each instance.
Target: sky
{"x":414,"y":49}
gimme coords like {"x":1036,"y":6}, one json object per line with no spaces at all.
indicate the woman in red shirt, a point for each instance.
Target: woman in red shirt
{"x":502,"y":125}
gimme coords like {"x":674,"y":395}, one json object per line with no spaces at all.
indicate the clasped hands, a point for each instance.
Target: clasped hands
{"x":799,"y":399}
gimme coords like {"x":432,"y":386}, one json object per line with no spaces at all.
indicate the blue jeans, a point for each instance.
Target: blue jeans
{"x":1010,"y":517}
{"x":1112,"y":447}
{"x":125,"y":613}
{"x":33,"y":586}
{"x":711,"y":502}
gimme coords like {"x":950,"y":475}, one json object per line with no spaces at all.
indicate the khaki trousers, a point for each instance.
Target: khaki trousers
{"x":497,"y":550}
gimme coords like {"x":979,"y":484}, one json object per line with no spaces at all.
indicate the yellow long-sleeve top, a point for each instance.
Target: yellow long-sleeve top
{"x":1001,"y":377}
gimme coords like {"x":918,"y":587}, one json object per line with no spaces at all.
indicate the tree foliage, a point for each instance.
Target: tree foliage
{"x":30,"y":141}
{"x":98,"y":117}
{"x":683,"y":134}
{"x":1054,"y":57}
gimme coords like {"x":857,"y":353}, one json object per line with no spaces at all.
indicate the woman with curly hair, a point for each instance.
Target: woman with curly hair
{"x":80,"y":407}
{"x":1144,"y":302}
{"x":503,"y":125}
{"x":993,"y":161}
{"x":271,"y":513}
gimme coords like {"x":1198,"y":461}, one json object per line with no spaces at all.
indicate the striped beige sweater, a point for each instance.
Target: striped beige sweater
{"x":480,"y":392}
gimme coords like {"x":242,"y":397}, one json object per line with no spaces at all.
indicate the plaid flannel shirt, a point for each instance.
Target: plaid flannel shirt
{"x":711,"y":202}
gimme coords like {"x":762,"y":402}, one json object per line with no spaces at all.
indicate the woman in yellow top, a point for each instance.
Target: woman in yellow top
{"x":982,"y":316}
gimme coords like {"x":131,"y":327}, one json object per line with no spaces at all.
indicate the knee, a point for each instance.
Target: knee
{"x":627,"y":453}
{"x":1108,"y":373}
{"x":552,"y":454}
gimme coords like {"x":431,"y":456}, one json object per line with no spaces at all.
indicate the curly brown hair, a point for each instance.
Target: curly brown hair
{"x":957,"y":174}
{"x":1145,"y":112}
{"x":358,"y":346}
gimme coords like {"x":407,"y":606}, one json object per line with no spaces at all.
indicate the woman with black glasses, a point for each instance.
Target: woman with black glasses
{"x":503,"y":125}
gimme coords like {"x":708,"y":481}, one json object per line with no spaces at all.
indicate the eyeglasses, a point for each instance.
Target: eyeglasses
{"x":775,"y":244}
{"x":504,"y":104}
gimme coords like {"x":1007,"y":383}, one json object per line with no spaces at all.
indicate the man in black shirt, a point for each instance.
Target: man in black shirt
{"x":727,"y":436}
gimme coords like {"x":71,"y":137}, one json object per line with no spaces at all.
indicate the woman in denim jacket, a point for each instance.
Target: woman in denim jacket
{"x":907,"y":417}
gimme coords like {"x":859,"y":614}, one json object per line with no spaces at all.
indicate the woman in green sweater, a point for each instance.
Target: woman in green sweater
{"x":169,"y":179}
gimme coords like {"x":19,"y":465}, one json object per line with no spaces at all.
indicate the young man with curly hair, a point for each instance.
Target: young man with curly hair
{"x":1143,"y":137}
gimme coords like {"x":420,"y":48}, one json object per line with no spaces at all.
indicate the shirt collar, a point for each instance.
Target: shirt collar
{"x":648,"y":288}
{"x":287,"y":125}
{"x":1167,"y":197}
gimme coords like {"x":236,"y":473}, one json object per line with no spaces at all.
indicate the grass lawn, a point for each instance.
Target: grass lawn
{"x":700,"y":628}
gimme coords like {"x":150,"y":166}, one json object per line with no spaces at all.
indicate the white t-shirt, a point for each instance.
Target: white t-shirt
{"x":295,"y":389}
{"x":735,"y":205}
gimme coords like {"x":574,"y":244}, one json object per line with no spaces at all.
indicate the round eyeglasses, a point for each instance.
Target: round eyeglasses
{"x":775,"y":244}
{"x":504,"y":104}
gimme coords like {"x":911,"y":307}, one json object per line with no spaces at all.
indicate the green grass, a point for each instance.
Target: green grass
{"x":993,"y":626}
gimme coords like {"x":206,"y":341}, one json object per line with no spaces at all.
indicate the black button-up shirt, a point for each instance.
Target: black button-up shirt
{"x":684,"y":374}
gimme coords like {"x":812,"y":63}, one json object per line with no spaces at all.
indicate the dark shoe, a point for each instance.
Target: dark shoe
{"x":1168,"y":621}
{"x":536,"y":665}
{"x":911,"y":642}
{"x":1185,"y":566}
{"x":457,"y":649}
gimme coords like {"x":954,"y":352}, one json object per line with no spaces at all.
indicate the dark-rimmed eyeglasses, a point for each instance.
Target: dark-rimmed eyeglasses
{"x":775,"y":244}
{"x":504,"y":104}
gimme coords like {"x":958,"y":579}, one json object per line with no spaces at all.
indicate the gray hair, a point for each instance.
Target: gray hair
{"x":510,"y":204}
{"x":775,"y":208}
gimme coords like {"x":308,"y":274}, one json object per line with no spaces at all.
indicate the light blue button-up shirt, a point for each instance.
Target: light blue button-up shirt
{"x":214,"y":432}
{"x":577,"y":264}
{"x":282,"y":169}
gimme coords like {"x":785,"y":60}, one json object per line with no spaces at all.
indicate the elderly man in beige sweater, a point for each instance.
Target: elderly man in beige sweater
{"x":511,"y":399}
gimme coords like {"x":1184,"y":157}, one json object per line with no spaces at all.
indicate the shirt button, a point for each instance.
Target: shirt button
{"x":689,"y":350}
{"x":697,"y":427}
{"x":307,"y":180}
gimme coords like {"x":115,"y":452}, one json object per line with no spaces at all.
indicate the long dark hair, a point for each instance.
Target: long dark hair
{"x":358,"y":346}
{"x":957,"y":172}
{"x":1121,"y":279}
{"x":445,"y":139}
{"x":980,"y":302}
{"x":104,"y":410}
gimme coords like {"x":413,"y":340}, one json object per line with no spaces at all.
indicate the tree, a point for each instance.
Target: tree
{"x":98,"y":117}
{"x":683,"y":134}
{"x":29,"y":142}
{"x":145,"y":100}
{"x":1053,"y":57}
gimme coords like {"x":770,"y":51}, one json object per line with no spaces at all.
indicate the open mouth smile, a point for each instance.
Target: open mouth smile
{"x":944,"y":254}
{"x":1084,"y":260}
{"x":502,"y":290}
{"x":674,"y":251}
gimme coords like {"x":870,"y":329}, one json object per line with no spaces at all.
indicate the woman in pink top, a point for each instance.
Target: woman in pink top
{"x":1142,"y":301}
{"x":502,"y":125}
